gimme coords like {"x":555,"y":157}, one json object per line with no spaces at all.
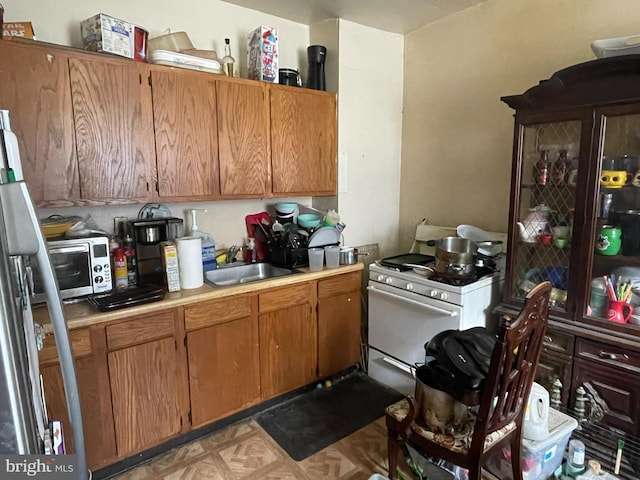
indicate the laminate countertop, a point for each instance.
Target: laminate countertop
{"x":82,"y":314}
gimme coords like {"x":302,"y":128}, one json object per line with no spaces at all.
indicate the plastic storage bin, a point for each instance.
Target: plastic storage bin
{"x":173,"y":42}
{"x":173,"y":59}
{"x":539,"y":458}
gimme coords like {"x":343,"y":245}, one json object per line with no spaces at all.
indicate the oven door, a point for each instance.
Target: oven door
{"x":72,"y":267}
{"x":401,"y":322}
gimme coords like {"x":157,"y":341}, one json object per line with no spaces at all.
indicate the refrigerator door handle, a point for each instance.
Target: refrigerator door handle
{"x":17,"y":205}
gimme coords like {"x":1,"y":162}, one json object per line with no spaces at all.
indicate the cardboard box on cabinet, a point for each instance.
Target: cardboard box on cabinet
{"x":262,"y":54}
{"x":104,"y":33}
{"x":17,"y":29}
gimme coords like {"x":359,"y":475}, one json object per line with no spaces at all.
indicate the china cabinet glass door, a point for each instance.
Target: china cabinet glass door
{"x":615,"y":266}
{"x":547,"y":197}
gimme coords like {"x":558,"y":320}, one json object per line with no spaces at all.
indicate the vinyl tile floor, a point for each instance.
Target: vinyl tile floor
{"x":244,"y":451}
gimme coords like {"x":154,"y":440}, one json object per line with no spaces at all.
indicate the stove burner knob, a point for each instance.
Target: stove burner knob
{"x":409,"y":286}
{"x":443,"y":296}
{"x":380,"y":278}
{"x":433,"y":293}
{"x":388,"y":281}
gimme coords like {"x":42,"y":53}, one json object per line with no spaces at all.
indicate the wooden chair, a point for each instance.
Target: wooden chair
{"x":500,"y":404}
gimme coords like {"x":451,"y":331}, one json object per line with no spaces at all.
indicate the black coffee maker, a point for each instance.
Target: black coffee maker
{"x":316,"y":55}
{"x":148,"y":234}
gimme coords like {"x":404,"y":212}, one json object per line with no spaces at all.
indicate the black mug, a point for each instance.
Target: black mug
{"x":289,"y":76}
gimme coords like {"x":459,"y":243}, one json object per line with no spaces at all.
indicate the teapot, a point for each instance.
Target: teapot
{"x":535,"y":223}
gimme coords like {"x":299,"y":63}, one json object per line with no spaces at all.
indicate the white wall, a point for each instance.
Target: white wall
{"x":457,"y":138}
{"x":369,"y":131}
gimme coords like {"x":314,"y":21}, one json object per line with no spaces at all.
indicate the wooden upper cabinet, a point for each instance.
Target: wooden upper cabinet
{"x":34,"y":87}
{"x":243,"y":135}
{"x":303,"y":141}
{"x":114,"y":129}
{"x":184,"y":105}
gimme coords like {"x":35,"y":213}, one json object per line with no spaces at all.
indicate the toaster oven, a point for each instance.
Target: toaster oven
{"x":82,"y":266}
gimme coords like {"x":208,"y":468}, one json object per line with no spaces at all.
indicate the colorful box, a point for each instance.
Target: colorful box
{"x":170,"y":263}
{"x":18,"y":29}
{"x":103,"y":33}
{"x":262,"y":54}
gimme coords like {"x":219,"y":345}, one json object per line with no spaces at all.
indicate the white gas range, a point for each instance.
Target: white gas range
{"x":406,"y":309}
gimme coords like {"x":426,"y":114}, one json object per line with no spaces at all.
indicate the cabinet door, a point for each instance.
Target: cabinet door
{"x":287,"y":349}
{"x":303,"y":141}
{"x":546,"y":186}
{"x":113,"y":127}
{"x":95,"y":398}
{"x":552,"y":366}
{"x":614,"y":235}
{"x":619,"y":390}
{"x":243,"y":126}
{"x":145,"y":393}
{"x":34,"y":87}
{"x":338,"y":333}
{"x":148,"y":379}
{"x":186,"y":132}
{"x":224,"y":369}
{"x":339,"y":323}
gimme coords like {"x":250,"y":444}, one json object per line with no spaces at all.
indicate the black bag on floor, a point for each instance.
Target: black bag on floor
{"x":462,"y":355}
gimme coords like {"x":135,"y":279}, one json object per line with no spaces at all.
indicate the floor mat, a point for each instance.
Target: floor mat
{"x":308,"y":423}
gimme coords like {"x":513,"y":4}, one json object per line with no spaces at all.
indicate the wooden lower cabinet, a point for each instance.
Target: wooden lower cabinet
{"x":223,"y":358}
{"x":144,"y":369}
{"x":92,"y":376}
{"x":612,"y":371}
{"x":556,"y":361}
{"x":140,"y":377}
{"x":288,"y":339}
{"x":338,"y":323}
{"x":551,"y":367}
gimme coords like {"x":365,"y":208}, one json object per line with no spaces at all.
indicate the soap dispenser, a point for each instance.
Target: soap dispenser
{"x":250,"y":253}
{"x":208,"y":245}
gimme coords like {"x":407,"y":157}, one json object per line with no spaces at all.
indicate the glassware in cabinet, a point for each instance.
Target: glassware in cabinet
{"x":616,"y":252}
{"x":546,"y":205}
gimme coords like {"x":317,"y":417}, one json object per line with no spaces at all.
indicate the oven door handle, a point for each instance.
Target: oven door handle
{"x":450,"y":313}
{"x":400,"y":366}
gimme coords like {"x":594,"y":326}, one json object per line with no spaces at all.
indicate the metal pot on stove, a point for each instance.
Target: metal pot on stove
{"x":457,"y":256}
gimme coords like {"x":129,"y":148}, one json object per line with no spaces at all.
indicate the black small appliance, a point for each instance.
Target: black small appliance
{"x":148,"y":234}
{"x":316,"y":55}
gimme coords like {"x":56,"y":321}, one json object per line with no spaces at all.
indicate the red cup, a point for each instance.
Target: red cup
{"x":619,"y":311}
{"x":140,"y":36}
{"x":545,"y":238}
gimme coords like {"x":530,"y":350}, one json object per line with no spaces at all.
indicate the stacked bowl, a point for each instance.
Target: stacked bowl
{"x":287,"y":212}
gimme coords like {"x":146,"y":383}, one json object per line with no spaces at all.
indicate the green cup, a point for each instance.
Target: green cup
{"x":608,"y":241}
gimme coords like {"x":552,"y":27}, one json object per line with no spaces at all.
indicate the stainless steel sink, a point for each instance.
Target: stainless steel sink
{"x":227,"y":276}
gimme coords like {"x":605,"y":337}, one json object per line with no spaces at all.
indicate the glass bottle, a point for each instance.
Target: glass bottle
{"x":541,"y":169}
{"x":229,"y":64}
{"x":560,"y":168}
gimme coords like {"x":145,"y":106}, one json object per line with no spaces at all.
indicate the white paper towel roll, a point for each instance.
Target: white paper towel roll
{"x":190,"y":262}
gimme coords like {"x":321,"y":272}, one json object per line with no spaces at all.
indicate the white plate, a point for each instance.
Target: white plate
{"x":476,"y":234}
{"x":324,"y":236}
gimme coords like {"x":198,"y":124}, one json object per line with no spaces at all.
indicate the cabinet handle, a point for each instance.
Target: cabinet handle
{"x":548,"y":339}
{"x":349,"y":299}
{"x":612,"y":356}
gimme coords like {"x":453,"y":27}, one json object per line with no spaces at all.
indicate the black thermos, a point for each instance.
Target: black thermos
{"x":316,"y":55}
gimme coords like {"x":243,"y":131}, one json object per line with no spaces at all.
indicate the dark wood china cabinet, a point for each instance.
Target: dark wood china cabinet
{"x":574,"y":220}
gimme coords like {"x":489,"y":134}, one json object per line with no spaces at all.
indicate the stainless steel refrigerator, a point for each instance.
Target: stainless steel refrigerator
{"x":23,"y":422}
